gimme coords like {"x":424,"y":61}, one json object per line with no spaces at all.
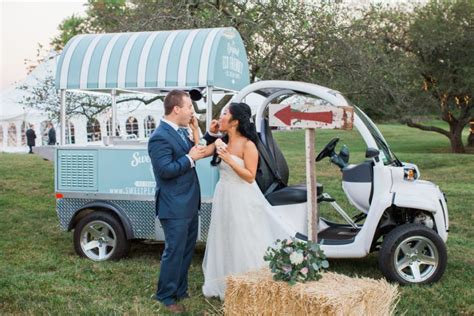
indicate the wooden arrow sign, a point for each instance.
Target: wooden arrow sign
{"x":286,"y":115}
{"x":311,"y":116}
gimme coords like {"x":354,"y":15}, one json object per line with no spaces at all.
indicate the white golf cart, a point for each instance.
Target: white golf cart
{"x":106,"y":192}
{"x":404,"y":218}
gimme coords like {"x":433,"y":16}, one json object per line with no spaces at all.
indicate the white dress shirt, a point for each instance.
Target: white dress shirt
{"x":176,"y":127}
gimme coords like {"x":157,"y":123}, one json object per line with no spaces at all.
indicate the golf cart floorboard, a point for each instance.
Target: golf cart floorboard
{"x":337,"y":235}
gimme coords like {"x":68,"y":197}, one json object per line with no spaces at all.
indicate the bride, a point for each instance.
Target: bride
{"x":242,"y":224}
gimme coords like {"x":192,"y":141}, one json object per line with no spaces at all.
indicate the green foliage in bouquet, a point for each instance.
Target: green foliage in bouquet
{"x":292,"y":260}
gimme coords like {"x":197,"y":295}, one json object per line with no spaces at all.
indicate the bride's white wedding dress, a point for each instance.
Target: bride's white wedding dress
{"x":242,"y":227}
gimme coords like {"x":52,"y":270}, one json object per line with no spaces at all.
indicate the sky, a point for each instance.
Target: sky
{"x":23,"y":25}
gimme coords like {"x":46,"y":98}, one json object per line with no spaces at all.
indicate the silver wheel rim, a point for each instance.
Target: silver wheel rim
{"x":98,"y":240}
{"x":416,"y":259}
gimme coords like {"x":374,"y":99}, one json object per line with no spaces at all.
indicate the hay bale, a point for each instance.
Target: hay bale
{"x":255,"y":293}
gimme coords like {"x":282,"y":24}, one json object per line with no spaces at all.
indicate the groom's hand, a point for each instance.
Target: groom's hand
{"x":197,"y":152}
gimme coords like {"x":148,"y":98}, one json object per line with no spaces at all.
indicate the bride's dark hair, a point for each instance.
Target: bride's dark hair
{"x":242,"y":113}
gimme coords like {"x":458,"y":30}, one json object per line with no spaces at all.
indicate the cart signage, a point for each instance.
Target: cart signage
{"x":311,"y":116}
{"x":139,"y":158}
{"x":126,"y":172}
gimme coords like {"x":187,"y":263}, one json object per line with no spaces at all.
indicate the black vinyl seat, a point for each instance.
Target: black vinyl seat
{"x":272,"y":176}
{"x":293,"y":194}
{"x":272,"y":173}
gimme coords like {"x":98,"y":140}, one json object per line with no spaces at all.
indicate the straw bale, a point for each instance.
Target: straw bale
{"x":255,"y":293}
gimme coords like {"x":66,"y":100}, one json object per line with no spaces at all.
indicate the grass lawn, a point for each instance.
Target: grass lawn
{"x":41,"y":274}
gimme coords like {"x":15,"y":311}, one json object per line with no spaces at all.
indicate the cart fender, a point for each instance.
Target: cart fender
{"x":426,"y":203}
{"x":127,"y":225}
{"x":419,"y":202}
{"x":418,"y":194}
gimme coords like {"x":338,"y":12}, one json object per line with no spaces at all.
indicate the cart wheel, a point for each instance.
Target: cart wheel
{"x":99,"y":236}
{"x":413,"y":254}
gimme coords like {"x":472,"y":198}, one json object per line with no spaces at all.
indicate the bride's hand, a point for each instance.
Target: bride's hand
{"x":194,"y":124}
{"x":223,"y":154}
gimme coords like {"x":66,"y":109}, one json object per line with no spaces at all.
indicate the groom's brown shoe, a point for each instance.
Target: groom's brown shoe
{"x":175,"y":308}
{"x":185,"y":296}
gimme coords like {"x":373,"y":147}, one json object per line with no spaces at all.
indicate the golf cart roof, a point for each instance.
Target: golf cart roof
{"x":154,"y":62}
{"x":275,"y":88}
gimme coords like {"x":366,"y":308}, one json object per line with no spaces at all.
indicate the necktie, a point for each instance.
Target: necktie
{"x":184,"y":135}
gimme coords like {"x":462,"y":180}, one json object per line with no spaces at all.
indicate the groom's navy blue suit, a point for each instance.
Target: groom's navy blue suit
{"x":178,"y":200}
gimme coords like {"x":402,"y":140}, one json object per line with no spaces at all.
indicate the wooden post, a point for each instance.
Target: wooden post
{"x":311,"y":185}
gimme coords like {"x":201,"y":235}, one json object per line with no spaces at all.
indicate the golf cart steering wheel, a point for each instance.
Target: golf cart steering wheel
{"x":328,"y":150}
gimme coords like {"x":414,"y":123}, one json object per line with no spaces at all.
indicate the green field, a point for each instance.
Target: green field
{"x":41,"y":274}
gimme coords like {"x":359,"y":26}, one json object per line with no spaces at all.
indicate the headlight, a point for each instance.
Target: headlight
{"x":409,"y":174}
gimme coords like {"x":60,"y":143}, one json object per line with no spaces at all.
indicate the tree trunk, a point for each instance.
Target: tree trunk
{"x":454,"y":134}
{"x":456,"y":138}
{"x":470,"y":138}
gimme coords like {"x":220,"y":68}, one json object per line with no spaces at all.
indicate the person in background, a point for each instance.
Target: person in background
{"x":30,"y":138}
{"x":51,"y":134}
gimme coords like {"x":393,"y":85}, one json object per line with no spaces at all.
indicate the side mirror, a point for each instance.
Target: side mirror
{"x":344,"y":154}
{"x":371,"y":152}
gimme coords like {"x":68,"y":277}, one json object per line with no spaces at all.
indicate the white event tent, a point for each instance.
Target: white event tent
{"x":135,"y":119}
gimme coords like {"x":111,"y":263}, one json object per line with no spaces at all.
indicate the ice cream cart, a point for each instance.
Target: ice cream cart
{"x":106,"y":192}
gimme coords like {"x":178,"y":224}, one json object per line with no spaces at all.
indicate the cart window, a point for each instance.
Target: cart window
{"x":109,"y":128}
{"x":150,"y":125}
{"x":93,"y":130}
{"x":24,"y":127}
{"x":12,"y":137}
{"x":70,"y":134}
{"x":132,"y":126}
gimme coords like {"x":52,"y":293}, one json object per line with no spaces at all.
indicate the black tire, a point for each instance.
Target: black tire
{"x":426,"y":256}
{"x":104,"y":234}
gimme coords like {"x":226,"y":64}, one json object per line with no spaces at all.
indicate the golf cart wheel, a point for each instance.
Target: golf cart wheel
{"x":99,"y":236}
{"x":413,"y":254}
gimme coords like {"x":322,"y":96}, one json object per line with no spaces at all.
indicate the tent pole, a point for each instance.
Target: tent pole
{"x":63,"y":117}
{"x":209,"y":107}
{"x":114,"y":113}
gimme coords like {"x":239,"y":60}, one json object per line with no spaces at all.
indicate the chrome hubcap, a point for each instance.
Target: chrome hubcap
{"x":98,"y":240}
{"x":416,"y":259}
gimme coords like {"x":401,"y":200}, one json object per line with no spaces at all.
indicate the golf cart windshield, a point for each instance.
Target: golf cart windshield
{"x":388,"y":156}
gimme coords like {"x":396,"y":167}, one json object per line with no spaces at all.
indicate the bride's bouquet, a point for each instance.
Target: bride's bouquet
{"x":292,"y":260}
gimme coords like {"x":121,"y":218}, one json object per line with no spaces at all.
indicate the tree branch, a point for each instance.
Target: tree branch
{"x":141,"y":99}
{"x":430,"y":128}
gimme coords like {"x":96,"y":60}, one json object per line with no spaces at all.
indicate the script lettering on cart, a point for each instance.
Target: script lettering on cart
{"x":231,"y":64}
{"x":138,"y":159}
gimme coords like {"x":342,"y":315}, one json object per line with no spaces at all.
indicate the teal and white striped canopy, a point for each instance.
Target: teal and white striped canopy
{"x":154,"y":61}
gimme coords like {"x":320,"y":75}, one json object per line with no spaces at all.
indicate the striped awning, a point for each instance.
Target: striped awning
{"x":154,"y":61}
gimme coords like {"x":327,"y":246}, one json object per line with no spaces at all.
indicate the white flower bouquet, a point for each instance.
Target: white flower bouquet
{"x":292,"y":260}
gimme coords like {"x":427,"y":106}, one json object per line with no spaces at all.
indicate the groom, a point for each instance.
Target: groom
{"x":177,"y":196}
